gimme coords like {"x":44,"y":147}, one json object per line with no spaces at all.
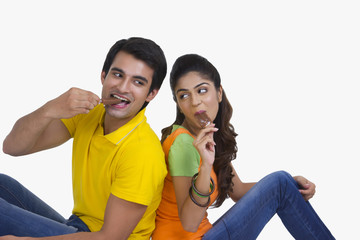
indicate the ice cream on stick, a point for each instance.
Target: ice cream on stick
{"x":203,"y":119}
{"x":110,"y":101}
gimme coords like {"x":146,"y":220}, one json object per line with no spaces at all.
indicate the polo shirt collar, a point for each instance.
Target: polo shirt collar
{"x":121,"y":133}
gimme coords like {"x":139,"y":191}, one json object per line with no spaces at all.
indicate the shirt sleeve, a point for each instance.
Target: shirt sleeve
{"x":184,"y":159}
{"x":71,"y":123}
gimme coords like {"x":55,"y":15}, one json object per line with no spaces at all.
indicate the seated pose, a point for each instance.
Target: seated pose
{"x":199,"y":147}
{"x":118,"y":166}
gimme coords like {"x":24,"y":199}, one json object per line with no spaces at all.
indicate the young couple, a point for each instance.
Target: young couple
{"x":119,"y":163}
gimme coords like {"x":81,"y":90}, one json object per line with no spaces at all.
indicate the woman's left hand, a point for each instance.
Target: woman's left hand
{"x":307,"y":188}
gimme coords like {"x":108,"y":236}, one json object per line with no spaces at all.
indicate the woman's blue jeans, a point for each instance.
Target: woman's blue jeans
{"x":24,"y":214}
{"x":276,"y":193}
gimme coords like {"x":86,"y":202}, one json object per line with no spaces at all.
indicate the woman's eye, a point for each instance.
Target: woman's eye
{"x":183,"y":96}
{"x":202,"y":90}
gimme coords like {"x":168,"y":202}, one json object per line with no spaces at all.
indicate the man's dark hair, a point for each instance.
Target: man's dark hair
{"x":142,"y":49}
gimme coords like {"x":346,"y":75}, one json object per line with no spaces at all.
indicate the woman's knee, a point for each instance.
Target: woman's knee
{"x":280,"y":178}
{"x":281,"y":174}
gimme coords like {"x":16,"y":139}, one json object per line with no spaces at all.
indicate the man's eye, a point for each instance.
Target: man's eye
{"x":118,"y":75}
{"x":138,"y":82}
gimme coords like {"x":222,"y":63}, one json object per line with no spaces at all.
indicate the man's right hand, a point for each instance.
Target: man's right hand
{"x":71,"y":103}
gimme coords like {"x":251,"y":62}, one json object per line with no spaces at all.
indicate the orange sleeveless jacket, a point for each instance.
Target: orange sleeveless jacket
{"x":168,"y":224}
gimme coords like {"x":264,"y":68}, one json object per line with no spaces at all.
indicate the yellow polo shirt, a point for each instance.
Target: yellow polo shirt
{"x":128,"y":163}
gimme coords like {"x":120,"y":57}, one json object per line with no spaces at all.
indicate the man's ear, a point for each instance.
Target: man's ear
{"x":152,"y":95}
{"x":103,"y":75}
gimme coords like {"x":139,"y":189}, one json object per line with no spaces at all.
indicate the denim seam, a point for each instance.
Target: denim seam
{"x":227,"y":230}
{"x":306,"y":225}
{"x":14,"y":196}
{"x":257,"y":212}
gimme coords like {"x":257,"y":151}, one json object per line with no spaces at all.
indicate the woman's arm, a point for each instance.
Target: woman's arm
{"x":191,"y":214}
{"x":240,"y":188}
{"x":306,"y":188}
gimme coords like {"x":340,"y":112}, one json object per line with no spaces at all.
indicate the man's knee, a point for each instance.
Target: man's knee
{"x":5,"y":179}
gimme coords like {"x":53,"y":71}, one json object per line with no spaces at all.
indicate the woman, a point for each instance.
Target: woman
{"x":201,"y":174}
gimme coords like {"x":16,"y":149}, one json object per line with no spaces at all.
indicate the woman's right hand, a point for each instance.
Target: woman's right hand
{"x":205,"y":144}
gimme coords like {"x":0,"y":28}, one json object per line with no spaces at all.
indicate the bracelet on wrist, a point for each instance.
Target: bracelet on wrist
{"x":194,"y":201}
{"x":212,"y":187}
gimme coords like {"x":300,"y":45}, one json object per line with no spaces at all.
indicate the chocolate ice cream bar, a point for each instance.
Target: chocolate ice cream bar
{"x":110,"y":101}
{"x":203,"y":119}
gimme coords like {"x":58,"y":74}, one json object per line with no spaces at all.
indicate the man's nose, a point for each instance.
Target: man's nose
{"x":124,"y":85}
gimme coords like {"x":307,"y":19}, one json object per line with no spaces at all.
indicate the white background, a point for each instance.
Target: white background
{"x":290,"y":69}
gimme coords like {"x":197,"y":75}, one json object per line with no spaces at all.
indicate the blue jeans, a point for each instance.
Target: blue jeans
{"x":24,"y":214}
{"x":276,"y":193}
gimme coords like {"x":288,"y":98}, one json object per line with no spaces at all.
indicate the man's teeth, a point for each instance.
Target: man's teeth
{"x":120,"y":98}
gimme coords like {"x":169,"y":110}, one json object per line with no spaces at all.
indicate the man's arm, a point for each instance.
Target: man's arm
{"x":121,"y":217}
{"x":43,"y":129}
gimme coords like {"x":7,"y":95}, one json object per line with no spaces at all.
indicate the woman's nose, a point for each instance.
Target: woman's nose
{"x":195,"y":100}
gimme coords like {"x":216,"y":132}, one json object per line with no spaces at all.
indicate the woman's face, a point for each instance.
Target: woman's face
{"x":194,"y":94}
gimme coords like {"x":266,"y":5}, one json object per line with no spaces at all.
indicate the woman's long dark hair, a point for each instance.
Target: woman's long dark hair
{"x":226,"y":148}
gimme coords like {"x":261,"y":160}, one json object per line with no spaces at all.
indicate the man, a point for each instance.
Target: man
{"x":118,"y":163}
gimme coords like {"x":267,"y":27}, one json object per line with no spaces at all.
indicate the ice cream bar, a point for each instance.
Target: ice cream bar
{"x":203,"y":119}
{"x":110,"y":101}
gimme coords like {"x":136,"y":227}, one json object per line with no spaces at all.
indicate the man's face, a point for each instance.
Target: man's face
{"x":128,"y":79}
